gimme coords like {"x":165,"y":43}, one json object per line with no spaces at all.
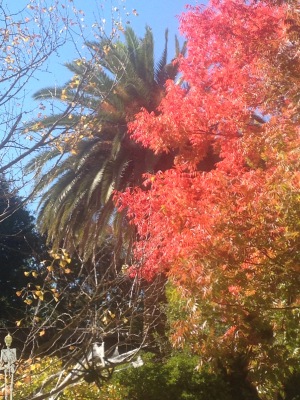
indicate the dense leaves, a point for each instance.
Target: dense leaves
{"x":228,"y":235}
{"x":31,"y":374}
{"x":97,"y":156}
{"x":20,"y":246}
{"x":175,"y":378}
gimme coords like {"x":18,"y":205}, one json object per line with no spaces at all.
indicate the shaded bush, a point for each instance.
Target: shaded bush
{"x":175,"y":379}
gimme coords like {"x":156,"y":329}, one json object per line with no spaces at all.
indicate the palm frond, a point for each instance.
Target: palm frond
{"x":76,"y":206}
{"x":160,"y":72}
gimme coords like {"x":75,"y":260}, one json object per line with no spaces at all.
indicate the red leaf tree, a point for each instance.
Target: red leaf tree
{"x":223,"y":223}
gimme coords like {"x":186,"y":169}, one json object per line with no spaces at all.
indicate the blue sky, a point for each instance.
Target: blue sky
{"x":158,"y":14}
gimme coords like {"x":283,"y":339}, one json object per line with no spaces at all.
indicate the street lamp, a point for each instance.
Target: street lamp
{"x":7,"y":363}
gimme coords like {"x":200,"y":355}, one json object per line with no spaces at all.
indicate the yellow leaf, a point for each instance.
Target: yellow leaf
{"x":55,"y":256}
{"x":42,"y":333}
{"x":35,"y":274}
{"x":37,"y":126}
{"x":19,"y":293}
{"x":50,"y":268}
{"x":68,"y":271}
{"x":62,"y":263}
{"x":124,"y":268}
{"x":250,"y":292}
{"x":63,"y":95}
{"x":66,"y":255}
{"x":56,"y":296}
{"x":39,"y":294}
{"x":28,"y":301}
{"x":26,"y":273}
{"x":18,"y":323}
{"x":106,"y":49}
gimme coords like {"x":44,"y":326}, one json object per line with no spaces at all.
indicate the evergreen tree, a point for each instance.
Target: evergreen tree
{"x":77,"y":208}
{"x":19,"y":247}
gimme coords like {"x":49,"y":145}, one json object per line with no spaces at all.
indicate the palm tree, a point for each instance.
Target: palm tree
{"x":77,"y":208}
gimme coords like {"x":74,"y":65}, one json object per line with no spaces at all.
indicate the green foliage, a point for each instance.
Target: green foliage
{"x":292,"y":387}
{"x":19,"y":245}
{"x":31,"y":375}
{"x":96,"y":156}
{"x":177,"y":378}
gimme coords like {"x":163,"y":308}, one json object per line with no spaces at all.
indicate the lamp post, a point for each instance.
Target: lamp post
{"x":7,"y":363}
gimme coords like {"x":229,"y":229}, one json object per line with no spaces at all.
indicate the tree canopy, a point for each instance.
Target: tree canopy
{"x":20,"y":247}
{"x":228,"y":237}
{"x":217,"y":211}
{"x":98,"y":156}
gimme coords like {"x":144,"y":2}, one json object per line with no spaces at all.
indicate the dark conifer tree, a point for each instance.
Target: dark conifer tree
{"x":19,"y":248}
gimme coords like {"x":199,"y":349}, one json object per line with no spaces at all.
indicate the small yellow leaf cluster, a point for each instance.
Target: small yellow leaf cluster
{"x":49,"y":268}
{"x":37,"y":126}
{"x":75,"y":81}
{"x":33,"y":273}
{"x":63,"y":259}
{"x":31,"y":292}
{"x":107,"y":317}
{"x":39,"y":294}
{"x":64,"y":95}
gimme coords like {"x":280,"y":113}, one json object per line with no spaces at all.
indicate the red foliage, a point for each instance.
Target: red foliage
{"x":229,"y":236}
{"x":230,"y":45}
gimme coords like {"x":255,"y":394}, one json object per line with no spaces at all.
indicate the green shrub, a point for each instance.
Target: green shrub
{"x":175,"y":379}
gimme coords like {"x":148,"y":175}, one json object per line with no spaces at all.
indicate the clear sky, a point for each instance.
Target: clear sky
{"x":158,"y":14}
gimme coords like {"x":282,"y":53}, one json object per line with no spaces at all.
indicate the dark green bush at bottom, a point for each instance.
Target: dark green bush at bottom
{"x":176,"y":379}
